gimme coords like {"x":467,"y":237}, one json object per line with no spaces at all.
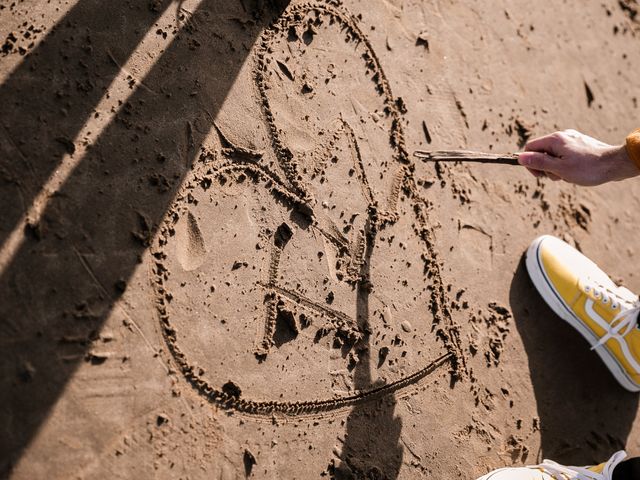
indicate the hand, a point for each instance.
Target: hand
{"x":577,"y":158}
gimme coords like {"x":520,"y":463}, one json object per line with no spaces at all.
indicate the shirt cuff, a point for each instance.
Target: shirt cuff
{"x":633,"y":147}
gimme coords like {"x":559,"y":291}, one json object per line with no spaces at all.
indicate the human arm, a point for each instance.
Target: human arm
{"x":577,"y":158}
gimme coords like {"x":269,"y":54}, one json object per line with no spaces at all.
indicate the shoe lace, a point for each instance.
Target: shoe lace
{"x":624,"y":322}
{"x":560,"y":472}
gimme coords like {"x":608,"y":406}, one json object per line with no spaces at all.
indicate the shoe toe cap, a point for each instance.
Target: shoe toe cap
{"x":551,"y":260}
{"x":558,"y":255}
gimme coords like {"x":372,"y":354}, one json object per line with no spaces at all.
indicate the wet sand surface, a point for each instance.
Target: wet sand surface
{"x":219,"y":259}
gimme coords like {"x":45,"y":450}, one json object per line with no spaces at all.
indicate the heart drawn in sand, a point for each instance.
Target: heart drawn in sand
{"x":308,"y":283}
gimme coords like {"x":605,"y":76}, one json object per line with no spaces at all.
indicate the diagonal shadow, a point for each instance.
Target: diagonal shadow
{"x":584,"y":414}
{"x":50,"y":96}
{"x":64,"y":283}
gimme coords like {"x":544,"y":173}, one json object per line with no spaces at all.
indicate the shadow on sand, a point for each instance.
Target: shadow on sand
{"x":371,"y":449}
{"x":66,"y":276}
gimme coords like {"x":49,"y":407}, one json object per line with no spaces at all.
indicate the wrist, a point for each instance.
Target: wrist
{"x":632,"y":145}
{"x":619,"y":165}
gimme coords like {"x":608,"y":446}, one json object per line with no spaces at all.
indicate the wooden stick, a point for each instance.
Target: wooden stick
{"x":466,"y":156}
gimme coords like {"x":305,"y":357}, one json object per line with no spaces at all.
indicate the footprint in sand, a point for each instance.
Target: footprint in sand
{"x":190,"y":247}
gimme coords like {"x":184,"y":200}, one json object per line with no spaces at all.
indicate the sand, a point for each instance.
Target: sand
{"x":219,"y":258}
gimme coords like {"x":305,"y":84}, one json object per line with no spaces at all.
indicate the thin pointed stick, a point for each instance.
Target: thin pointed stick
{"x":466,"y":156}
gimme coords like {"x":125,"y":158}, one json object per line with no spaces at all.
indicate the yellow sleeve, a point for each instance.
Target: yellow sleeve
{"x":633,"y":146}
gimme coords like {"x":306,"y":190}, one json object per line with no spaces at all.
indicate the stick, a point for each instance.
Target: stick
{"x":466,"y":156}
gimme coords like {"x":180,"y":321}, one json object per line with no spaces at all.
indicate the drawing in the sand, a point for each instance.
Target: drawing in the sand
{"x":325,"y":260}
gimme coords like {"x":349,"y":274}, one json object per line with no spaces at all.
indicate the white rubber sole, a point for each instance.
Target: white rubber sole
{"x":510,"y":474}
{"x":557,"y":304}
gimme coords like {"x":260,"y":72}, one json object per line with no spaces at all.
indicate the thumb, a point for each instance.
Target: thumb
{"x":538,"y":161}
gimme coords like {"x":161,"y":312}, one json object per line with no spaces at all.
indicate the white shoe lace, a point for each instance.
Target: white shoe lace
{"x":560,"y":472}
{"x":626,"y":319}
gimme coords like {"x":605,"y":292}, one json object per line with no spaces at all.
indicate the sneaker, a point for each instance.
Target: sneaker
{"x":549,"y":470}
{"x":584,"y":296}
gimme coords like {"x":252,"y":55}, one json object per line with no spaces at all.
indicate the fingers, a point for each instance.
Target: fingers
{"x":548,"y":144}
{"x":538,"y":161}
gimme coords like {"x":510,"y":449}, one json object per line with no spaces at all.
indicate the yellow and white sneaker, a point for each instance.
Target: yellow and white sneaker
{"x":549,"y":470}
{"x":583,"y":295}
